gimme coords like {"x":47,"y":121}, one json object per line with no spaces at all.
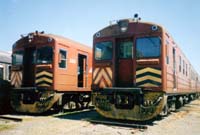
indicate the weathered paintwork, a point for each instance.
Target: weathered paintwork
{"x":106,"y":105}
{"x":38,"y":86}
{"x":158,"y":78}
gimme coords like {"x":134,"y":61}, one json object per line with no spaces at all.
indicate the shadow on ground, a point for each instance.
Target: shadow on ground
{"x":94,"y":116}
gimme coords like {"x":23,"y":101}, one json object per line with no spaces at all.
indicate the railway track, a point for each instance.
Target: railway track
{"x":11,"y":118}
{"x":72,"y":112}
{"x":92,"y":116}
{"x":121,"y":124}
{"x":89,"y":115}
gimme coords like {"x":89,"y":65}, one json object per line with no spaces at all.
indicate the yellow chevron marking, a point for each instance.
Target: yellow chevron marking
{"x":44,"y":79}
{"x":44,"y":73}
{"x":16,"y":78}
{"x":44,"y":84}
{"x":102,"y":84}
{"x":148,"y":69}
{"x":100,"y":75}
{"x":108,"y":69}
{"x":12,"y":75}
{"x":148,"y":85}
{"x":95,"y":72}
{"x":148,"y":77}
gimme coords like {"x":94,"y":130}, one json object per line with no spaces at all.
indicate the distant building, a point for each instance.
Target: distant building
{"x":5,"y":65}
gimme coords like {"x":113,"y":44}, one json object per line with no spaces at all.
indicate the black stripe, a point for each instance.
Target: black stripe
{"x":148,"y":81}
{"x":42,"y":82}
{"x":140,"y":68}
{"x":148,"y":73}
{"x":49,"y":77}
{"x":39,"y":71}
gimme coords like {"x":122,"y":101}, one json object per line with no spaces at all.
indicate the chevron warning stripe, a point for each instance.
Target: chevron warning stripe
{"x":102,"y":76}
{"x":44,"y":78}
{"x":148,"y":77}
{"x":16,"y":78}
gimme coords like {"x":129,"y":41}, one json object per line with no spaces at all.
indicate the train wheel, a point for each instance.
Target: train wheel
{"x":71,"y":105}
{"x":87,"y":104}
{"x":179,"y":103}
{"x":191,"y":97}
{"x":173,"y":106}
{"x":165,"y":110}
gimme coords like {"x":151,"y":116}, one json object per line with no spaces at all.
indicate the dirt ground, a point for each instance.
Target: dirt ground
{"x":184,"y":121}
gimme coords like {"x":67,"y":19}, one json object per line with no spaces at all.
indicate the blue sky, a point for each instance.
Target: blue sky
{"x":80,"y":19}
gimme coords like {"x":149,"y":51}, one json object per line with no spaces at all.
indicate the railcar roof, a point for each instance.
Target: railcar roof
{"x":62,"y":39}
{"x":5,"y":57}
{"x":133,"y":21}
{"x":59,"y":39}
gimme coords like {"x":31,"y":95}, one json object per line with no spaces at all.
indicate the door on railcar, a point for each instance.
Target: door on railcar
{"x":28,"y":67}
{"x":82,"y":70}
{"x":124,"y":62}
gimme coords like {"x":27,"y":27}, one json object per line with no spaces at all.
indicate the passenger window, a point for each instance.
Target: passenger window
{"x":186,"y":70}
{"x":167,"y":59}
{"x":183,"y":67}
{"x":179,"y":63}
{"x":62,"y":59}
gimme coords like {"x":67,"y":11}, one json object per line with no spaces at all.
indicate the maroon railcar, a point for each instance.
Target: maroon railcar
{"x":50,"y":71}
{"x":139,"y":71}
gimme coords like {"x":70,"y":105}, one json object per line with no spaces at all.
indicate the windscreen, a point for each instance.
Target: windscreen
{"x":44,"y":55}
{"x":103,"y":51}
{"x":148,"y":47}
{"x":17,"y":58}
{"x":126,"y":49}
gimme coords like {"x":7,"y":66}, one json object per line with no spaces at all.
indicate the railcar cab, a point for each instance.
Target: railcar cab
{"x":32,"y":73}
{"x":30,"y":56}
{"x":128,"y":58}
{"x":48,"y":68}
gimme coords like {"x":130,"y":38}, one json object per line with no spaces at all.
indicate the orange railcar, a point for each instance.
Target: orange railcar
{"x":139,"y":71}
{"x":50,"y":71}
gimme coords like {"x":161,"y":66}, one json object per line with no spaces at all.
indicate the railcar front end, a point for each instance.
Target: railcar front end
{"x":49,"y":71}
{"x":128,"y":71}
{"x":32,"y":74}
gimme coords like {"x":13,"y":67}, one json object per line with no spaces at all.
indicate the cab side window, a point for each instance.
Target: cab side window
{"x":62,"y":59}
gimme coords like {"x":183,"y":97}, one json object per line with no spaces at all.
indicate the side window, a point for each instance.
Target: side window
{"x":183,"y":67}
{"x":186,"y":70}
{"x":62,"y":59}
{"x":179,"y":63}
